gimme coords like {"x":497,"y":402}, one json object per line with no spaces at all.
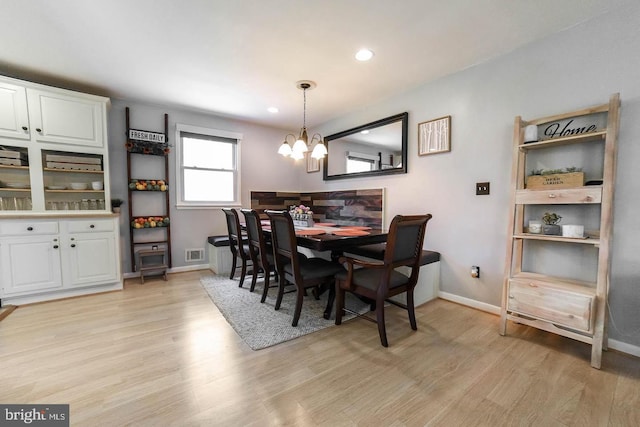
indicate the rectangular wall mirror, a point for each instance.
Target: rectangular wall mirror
{"x":376,"y":148}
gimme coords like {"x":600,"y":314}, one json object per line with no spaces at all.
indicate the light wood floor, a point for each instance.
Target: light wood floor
{"x":160,"y":354}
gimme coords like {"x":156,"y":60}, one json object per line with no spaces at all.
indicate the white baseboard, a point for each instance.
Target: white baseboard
{"x":470,"y":302}
{"x":620,"y":346}
{"x":172,"y":270}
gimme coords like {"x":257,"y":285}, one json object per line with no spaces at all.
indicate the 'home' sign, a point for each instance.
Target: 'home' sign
{"x":574,"y":126}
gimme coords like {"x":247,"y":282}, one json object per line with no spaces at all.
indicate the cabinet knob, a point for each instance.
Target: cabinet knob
{"x":552,"y":196}
{"x":588,"y":198}
{"x":92,"y":226}
{"x":533,"y":285}
{"x":55,"y":246}
{"x":29,"y":228}
{"x":38,"y":130}
{"x":73,"y":245}
{"x":24,"y":128}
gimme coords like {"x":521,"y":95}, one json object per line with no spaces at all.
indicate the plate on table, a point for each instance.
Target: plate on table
{"x":351,"y":233}
{"x":324,"y":224}
{"x":309,"y":232}
{"x":356,"y":227}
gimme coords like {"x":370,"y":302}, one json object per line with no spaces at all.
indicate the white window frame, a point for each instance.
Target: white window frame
{"x":180,"y":202}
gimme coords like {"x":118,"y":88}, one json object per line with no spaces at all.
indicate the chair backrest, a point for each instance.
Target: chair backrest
{"x":234,"y":230}
{"x":283,"y":238}
{"x":257,"y":244}
{"x":404,"y":243}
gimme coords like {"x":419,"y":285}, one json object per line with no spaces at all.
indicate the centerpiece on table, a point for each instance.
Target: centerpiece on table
{"x":302,"y":216}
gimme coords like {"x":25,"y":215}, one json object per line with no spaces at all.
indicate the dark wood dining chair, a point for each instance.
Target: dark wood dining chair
{"x":301,"y":272}
{"x":237,"y":244}
{"x":260,"y":252}
{"x":378,"y":281}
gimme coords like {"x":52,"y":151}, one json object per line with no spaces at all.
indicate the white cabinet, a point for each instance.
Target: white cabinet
{"x":44,"y":259}
{"x":14,"y":118}
{"x":30,"y":264}
{"x":53,"y":146}
{"x":65,"y":118}
{"x":90,"y":249}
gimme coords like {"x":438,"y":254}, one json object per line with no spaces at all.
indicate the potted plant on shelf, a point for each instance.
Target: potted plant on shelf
{"x":550,"y":226}
{"x":115,"y":205}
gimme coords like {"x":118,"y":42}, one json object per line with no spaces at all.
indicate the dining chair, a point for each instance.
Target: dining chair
{"x":237,"y":244}
{"x":378,"y":281}
{"x":301,"y":272}
{"x":260,"y":252}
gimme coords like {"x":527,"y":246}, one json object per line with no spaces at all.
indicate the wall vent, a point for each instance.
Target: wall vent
{"x":191,"y":255}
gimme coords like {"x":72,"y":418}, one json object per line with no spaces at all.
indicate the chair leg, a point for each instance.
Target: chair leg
{"x":265,"y":290}
{"x":382,"y":330}
{"x":330,"y":299}
{"x":296,"y":313}
{"x":234,"y":265}
{"x":254,"y":278}
{"x":339,"y":303}
{"x":243,"y":271}
{"x":280,"y":293}
{"x":411,"y":310}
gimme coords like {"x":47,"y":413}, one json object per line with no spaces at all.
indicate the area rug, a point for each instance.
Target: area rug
{"x":259,"y":325}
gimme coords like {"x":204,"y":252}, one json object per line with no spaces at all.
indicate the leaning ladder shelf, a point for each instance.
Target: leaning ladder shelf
{"x":134,"y":149}
{"x":571,"y":308}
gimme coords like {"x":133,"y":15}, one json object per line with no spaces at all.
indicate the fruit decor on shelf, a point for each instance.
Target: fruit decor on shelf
{"x":147,"y":147}
{"x":150,"y":222}
{"x":148,"y":185}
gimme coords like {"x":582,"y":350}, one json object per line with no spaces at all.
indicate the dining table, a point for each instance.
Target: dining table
{"x":337,"y":239}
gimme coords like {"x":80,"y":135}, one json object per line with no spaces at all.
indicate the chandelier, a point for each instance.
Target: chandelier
{"x":301,"y":144}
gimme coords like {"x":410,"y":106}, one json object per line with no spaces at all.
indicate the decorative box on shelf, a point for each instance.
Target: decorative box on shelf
{"x":556,"y":180}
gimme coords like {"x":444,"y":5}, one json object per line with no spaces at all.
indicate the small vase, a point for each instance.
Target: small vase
{"x":552,"y":229}
{"x":116,"y":209}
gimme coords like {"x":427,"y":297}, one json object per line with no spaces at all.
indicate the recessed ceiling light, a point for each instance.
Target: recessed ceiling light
{"x":364,"y":132}
{"x":364,"y":55}
{"x":273,"y":110}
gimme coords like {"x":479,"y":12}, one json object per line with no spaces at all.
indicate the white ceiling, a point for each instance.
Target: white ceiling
{"x":238,"y":57}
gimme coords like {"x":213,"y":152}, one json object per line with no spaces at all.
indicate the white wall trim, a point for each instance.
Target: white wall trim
{"x":470,"y":302}
{"x":620,"y":346}
{"x":172,"y":270}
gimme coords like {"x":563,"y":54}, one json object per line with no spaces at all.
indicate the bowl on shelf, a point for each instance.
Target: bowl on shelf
{"x":78,"y":186}
{"x":56,"y":187}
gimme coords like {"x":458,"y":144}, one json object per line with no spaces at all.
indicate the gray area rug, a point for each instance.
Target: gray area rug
{"x":259,"y":325}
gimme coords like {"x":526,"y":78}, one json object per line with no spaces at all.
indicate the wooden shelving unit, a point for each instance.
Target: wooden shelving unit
{"x":573,"y":308}
{"x":140,"y":241}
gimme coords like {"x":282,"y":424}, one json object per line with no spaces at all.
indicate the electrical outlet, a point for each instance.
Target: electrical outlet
{"x":475,"y":271}
{"x":482,"y":188}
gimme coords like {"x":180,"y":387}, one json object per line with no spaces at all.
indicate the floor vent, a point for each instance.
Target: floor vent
{"x":191,"y":255}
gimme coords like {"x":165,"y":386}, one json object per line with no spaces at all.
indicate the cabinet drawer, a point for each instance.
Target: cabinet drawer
{"x":591,"y":194}
{"x":89,"y":226}
{"x":27,"y":228}
{"x":553,"y":303}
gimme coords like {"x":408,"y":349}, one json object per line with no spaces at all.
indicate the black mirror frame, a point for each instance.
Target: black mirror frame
{"x":403,"y":117}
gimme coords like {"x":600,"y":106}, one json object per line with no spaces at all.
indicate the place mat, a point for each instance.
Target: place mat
{"x":355,"y":227}
{"x":310,"y":232}
{"x":350,"y":233}
{"x":324,"y":224}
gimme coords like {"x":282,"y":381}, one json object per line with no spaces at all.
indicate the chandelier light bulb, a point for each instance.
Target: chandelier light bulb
{"x":297,"y":155}
{"x":285,"y":149}
{"x":319,"y":151}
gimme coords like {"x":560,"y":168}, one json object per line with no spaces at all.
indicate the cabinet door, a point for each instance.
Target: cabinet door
{"x":29,"y":264}
{"x":91,"y":259}
{"x":65,"y":119}
{"x":14,"y":118}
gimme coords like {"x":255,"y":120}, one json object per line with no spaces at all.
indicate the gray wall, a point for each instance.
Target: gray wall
{"x":580,"y":67}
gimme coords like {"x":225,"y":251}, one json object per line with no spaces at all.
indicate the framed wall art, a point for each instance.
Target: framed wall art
{"x":313,"y":165}
{"x":434,"y":136}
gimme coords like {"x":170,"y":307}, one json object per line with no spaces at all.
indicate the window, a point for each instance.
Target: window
{"x":207,"y":166}
{"x":360,"y":162}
